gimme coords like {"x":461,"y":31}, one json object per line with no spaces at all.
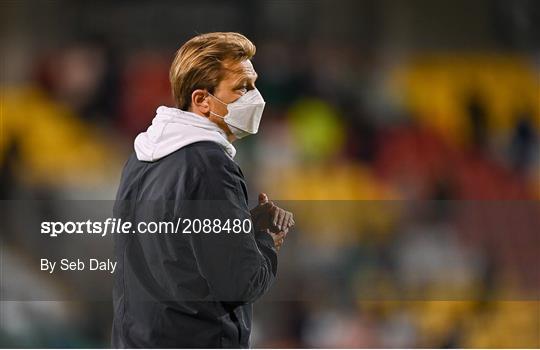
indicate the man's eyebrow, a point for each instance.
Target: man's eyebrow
{"x":246,"y":78}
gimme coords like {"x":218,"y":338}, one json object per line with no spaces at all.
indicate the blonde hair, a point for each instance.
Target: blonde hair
{"x":198,"y":64}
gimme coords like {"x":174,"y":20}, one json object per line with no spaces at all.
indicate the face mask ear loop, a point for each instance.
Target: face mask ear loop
{"x":213,"y":113}
{"x":217,"y":115}
{"x":226,"y":104}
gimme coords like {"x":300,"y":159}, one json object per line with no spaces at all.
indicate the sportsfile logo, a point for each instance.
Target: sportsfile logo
{"x":110,"y":225}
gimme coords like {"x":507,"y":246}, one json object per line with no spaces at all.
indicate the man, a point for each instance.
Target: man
{"x":195,"y":288}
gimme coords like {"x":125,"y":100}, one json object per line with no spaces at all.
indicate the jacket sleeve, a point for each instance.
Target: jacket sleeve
{"x":238,"y":267}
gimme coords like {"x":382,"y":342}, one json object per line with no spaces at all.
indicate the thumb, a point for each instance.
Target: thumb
{"x":263,"y":198}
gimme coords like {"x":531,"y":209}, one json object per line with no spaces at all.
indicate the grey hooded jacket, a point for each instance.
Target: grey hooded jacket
{"x":188,"y":288}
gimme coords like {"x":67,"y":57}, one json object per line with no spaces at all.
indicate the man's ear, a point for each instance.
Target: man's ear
{"x":199,"y":101}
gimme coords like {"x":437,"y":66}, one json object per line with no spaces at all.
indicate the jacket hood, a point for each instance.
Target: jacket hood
{"x":172,"y":129}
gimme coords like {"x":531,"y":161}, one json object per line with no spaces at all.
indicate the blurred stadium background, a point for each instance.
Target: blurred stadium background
{"x":403,"y":134}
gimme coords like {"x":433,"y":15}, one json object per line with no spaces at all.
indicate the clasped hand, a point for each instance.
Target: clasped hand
{"x":270,"y":218}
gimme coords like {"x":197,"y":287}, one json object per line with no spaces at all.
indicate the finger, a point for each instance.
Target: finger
{"x":288,"y":218}
{"x":275,"y":215}
{"x":263,"y":198}
{"x":281,"y":221}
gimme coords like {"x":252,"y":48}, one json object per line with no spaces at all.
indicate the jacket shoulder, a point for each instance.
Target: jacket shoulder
{"x":204,"y":156}
{"x":176,"y":174}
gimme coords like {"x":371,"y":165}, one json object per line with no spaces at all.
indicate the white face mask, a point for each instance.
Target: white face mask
{"x":244,"y":114}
